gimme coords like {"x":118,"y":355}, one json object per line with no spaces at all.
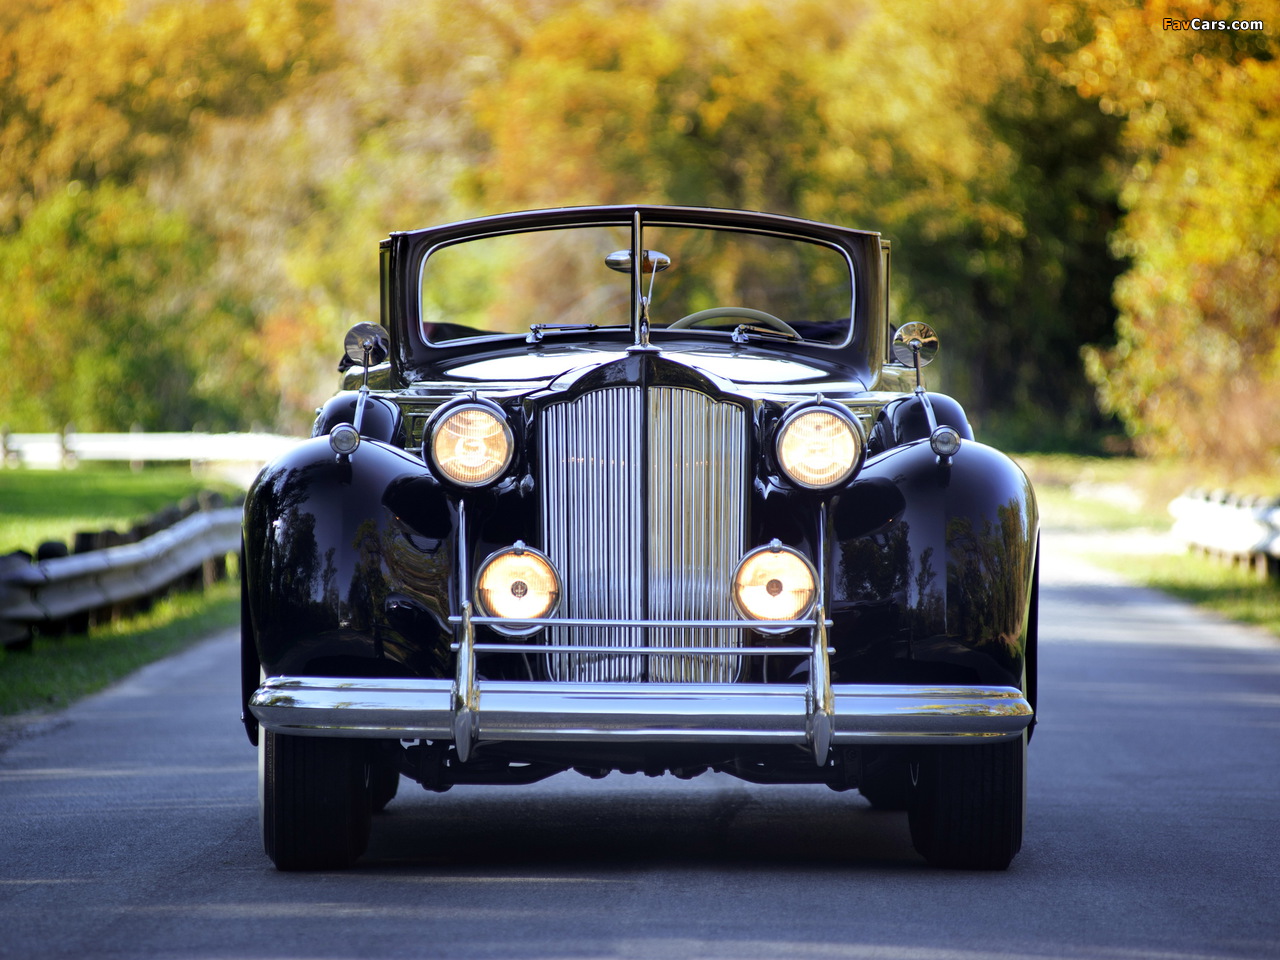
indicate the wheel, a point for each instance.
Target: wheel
{"x":314,"y":800}
{"x":967,"y":804}
{"x":746,"y":313}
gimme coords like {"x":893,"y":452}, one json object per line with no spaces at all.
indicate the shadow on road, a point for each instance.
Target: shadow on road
{"x":627,"y":822}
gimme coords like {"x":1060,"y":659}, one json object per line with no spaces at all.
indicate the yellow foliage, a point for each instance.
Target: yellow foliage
{"x":1194,"y":370}
{"x":94,"y":90}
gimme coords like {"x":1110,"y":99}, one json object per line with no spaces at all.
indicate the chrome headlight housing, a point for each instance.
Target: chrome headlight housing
{"x":469,"y":443}
{"x":819,"y":446}
{"x":518,"y":582}
{"x":775,"y":583}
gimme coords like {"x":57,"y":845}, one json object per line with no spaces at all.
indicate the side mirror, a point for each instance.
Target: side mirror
{"x":915,"y":344}
{"x":915,"y":340}
{"x":367,"y":344}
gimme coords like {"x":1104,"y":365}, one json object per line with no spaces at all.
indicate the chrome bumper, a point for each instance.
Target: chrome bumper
{"x":469,"y":711}
{"x":658,"y":712}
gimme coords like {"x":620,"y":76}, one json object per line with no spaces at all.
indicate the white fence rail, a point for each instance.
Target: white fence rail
{"x":62,"y":593}
{"x":1246,"y":530}
{"x":61,"y":589}
{"x":60,"y":449}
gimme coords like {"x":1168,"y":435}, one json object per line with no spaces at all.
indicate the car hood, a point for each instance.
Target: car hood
{"x":728,"y":365}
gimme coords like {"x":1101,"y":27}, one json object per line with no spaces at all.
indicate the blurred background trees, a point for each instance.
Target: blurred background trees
{"x":191,"y":194}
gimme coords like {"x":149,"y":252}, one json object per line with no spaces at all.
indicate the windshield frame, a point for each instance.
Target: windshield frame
{"x":414,"y":359}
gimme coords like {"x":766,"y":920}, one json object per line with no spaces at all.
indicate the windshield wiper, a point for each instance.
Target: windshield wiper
{"x":535,"y":329}
{"x":744,"y":331}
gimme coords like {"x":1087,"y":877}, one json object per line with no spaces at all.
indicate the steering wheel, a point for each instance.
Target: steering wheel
{"x":768,"y":319}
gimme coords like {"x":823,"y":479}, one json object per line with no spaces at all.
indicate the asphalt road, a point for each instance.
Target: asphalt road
{"x":128,"y":828}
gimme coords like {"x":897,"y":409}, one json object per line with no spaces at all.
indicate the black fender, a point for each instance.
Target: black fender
{"x":932,"y":569}
{"x":382,"y":418}
{"x":348,"y":563}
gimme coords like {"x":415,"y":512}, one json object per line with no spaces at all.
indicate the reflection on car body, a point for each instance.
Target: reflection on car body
{"x":632,"y":489}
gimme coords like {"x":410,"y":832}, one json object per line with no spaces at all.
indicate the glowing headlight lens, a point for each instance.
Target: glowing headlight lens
{"x":519,"y":583}
{"x":471,"y":446}
{"x":818,"y":448}
{"x":774,"y":583}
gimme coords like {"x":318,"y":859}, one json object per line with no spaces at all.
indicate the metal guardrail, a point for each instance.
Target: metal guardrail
{"x":58,"y":449}
{"x":57,"y":589}
{"x":1245,"y":530}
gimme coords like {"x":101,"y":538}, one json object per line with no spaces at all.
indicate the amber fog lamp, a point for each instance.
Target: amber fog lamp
{"x":519,"y":583}
{"x":819,"y":447}
{"x":774,"y":583}
{"x":471,"y":444}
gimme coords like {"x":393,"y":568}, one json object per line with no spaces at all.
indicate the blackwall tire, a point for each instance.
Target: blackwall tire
{"x":314,"y":801}
{"x":968,"y":804}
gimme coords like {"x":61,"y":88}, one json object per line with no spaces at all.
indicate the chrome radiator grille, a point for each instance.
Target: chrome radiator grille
{"x":629,"y":472}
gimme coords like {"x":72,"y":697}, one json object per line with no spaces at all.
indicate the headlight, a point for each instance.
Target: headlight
{"x":774,"y":583}
{"x":471,"y":444}
{"x":819,"y":447}
{"x":519,"y":583}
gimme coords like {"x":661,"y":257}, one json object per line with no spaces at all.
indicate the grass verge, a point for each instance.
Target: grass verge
{"x":42,"y":505}
{"x":57,"y":671}
{"x":1234,"y":592}
{"x":1119,"y":496}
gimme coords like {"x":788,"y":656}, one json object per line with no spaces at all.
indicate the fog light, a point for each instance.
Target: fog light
{"x":945,"y":441}
{"x":774,"y":583}
{"x":519,"y":583}
{"x":344,"y":438}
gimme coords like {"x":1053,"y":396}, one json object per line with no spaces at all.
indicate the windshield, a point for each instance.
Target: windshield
{"x":712,"y":282}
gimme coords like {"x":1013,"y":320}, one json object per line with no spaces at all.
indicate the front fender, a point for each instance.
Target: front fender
{"x":348,"y":563}
{"x":932,"y":568}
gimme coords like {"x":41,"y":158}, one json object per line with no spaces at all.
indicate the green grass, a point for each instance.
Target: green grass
{"x":40,"y":505}
{"x":1235,"y":592}
{"x":1091,"y":494}
{"x":57,"y":671}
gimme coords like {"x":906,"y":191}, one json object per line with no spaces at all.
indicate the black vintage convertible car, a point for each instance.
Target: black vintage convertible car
{"x":641,"y":489}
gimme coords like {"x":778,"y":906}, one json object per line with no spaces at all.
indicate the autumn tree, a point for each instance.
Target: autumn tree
{"x":996,"y":183}
{"x":112,"y":310}
{"x":1196,"y":366}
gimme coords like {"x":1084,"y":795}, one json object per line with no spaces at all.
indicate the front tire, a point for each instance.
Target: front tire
{"x":968,"y":804}
{"x":314,"y":801}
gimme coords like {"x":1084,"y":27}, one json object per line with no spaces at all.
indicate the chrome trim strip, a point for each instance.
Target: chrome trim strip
{"x":644,"y":651}
{"x":570,"y":622}
{"x":659,"y":712}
